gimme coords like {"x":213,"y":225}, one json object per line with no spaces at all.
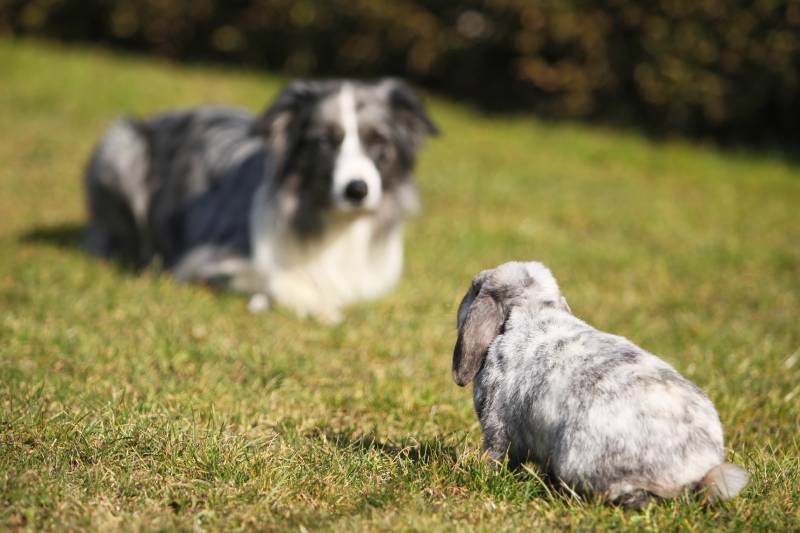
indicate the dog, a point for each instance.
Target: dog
{"x":303,"y":205}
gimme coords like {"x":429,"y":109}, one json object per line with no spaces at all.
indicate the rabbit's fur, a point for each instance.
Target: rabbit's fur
{"x":596,"y":411}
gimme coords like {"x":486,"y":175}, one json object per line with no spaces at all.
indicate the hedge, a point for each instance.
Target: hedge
{"x":723,"y":68}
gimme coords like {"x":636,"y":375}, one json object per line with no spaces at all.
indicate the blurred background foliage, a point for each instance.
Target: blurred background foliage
{"x":727,"y":69}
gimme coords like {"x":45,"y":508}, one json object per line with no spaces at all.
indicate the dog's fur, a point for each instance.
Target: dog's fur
{"x":599,"y":413}
{"x":267,"y":204}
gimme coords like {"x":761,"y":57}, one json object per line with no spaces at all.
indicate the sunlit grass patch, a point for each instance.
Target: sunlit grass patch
{"x":132,"y":402}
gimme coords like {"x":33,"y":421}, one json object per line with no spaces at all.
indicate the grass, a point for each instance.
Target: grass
{"x":131,"y":402}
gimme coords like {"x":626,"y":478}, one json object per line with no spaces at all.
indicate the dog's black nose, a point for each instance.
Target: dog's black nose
{"x":356,"y":190}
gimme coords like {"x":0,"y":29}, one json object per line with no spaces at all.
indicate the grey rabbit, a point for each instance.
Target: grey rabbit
{"x":596,"y":411}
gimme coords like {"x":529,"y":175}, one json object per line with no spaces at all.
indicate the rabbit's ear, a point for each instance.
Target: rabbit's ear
{"x":480,"y":327}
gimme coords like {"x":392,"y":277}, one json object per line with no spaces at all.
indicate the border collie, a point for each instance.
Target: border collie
{"x":303,"y":205}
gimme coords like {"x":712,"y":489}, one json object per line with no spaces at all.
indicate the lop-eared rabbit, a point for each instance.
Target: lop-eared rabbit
{"x":596,"y":411}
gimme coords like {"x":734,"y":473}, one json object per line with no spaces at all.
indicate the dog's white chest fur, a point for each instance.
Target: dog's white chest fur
{"x":319,"y":276}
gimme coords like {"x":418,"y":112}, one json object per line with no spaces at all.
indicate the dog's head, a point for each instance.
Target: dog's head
{"x":488,"y":303}
{"x":343,"y":145}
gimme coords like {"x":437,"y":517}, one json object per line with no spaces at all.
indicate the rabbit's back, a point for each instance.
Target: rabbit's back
{"x":599,"y":411}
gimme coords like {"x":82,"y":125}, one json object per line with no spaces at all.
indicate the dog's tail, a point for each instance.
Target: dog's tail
{"x":723,"y":482}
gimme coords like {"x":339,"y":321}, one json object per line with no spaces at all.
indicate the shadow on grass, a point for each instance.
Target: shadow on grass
{"x":460,"y":470}
{"x":71,"y":236}
{"x":68,"y":235}
{"x":419,"y":452}
{"x":422,"y":452}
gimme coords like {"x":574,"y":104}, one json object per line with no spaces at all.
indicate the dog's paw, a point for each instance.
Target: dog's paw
{"x":258,"y":303}
{"x":329,"y":317}
{"x":324,"y":315}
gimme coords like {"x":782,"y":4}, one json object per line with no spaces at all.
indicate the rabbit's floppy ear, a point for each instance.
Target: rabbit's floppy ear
{"x":480,"y":326}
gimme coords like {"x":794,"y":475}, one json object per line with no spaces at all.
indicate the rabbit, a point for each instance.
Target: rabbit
{"x":597,"y":412}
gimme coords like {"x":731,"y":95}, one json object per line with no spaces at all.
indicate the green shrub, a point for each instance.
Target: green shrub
{"x":725,"y":68}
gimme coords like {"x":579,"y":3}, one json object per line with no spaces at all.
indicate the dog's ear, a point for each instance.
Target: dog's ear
{"x":480,"y":318}
{"x":287,"y":106}
{"x":408,"y":111}
{"x":283,"y":122}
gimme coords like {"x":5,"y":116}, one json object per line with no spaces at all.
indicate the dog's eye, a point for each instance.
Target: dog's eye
{"x":374,"y":138}
{"x":334,"y":136}
{"x":329,"y":138}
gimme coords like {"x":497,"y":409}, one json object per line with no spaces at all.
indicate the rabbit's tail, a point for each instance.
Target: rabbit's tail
{"x":723,"y":482}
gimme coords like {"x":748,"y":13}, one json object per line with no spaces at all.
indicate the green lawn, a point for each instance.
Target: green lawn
{"x":132,"y":402}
